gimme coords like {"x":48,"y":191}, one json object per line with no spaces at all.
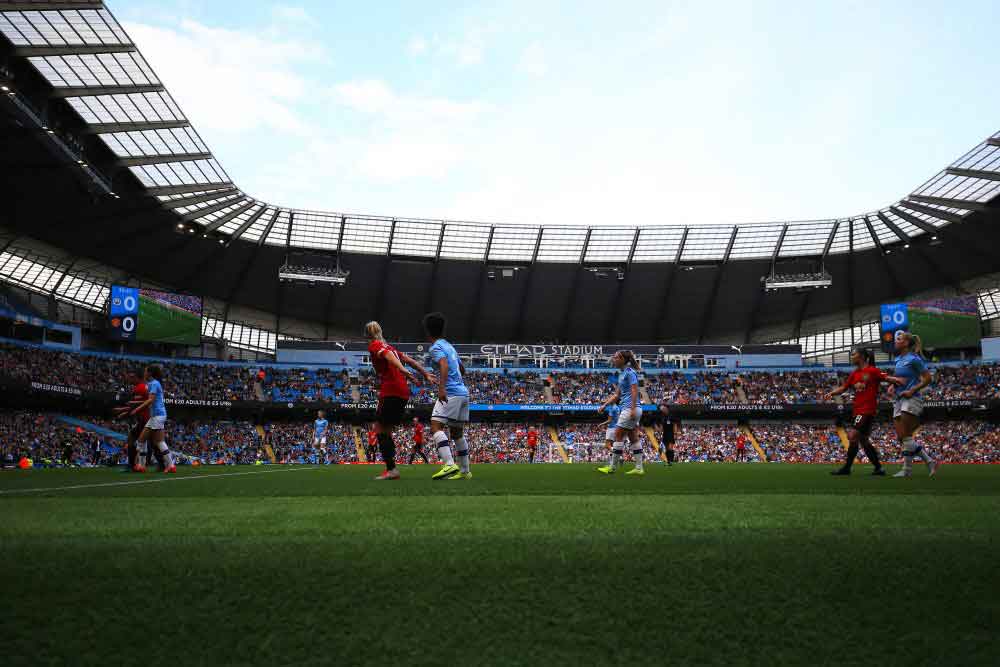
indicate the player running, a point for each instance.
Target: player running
{"x":864,"y":380}
{"x":418,"y":442}
{"x":912,"y":376}
{"x":134,"y":447}
{"x":153,"y":431}
{"x":393,"y":393}
{"x":451,"y":410}
{"x":627,"y":396}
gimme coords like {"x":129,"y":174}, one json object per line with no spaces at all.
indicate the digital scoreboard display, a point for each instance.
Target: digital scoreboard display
{"x":951,"y":322}
{"x":146,"y":315}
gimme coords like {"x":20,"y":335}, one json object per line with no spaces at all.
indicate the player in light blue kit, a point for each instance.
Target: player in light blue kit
{"x":911,"y":377}
{"x":627,"y":425}
{"x":609,"y":424}
{"x":154,"y":430}
{"x":451,"y":409}
{"x":320,"y":427}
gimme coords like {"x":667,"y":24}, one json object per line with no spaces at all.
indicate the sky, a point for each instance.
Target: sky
{"x":579,"y":113}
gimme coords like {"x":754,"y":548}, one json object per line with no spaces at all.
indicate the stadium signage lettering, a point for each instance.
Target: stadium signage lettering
{"x":199,"y":402}
{"x":56,"y":388}
{"x":518,"y":350}
{"x":746,"y":407}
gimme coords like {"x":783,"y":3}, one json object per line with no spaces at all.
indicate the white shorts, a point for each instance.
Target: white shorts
{"x":156,"y":423}
{"x":912,"y":406}
{"x":610,"y":434}
{"x":453,"y":411}
{"x":320,"y":441}
{"x":627,"y":420}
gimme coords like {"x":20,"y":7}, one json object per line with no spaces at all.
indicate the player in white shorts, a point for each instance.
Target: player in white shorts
{"x":154,"y":431}
{"x":451,"y":410}
{"x":627,"y":397}
{"x":610,"y":424}
{"x":911,"y":376}
{"x":320,"y":427}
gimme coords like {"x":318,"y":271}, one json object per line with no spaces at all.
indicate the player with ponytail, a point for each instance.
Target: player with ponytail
{"x":911,"y":376}
{"x":864,"y":380}
{"x":627,"y":397}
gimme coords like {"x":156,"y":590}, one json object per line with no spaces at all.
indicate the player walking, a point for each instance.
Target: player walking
{"x":134,"y":447}
{"x":153,"y":431}
{"x":864,"y":380}
{"x":418,"y":442}
{"x":320,"y":427}
{"x":393,"y":393}
{"x":671,"y":427}
{"x":451,"y":410}
{"x":532,"y":440}
{"x":741,"y":448}
{"x":912,"y":376}
{"x":627,"y":396}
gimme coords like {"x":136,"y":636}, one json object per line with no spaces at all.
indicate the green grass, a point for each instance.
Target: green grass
{"x":157,"y":322}
{"x":945,"y":330}
{"x":706,"y":564}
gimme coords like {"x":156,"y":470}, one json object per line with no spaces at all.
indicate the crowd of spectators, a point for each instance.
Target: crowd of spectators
{"x":693,"y":388}
{"x":47,"y":441}
{"x":710,"y":443}
{"x":799,"y":443}
{"x":191,"y":304}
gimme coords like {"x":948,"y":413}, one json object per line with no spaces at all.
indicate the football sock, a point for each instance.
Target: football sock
{"x":637,"y":457}
{"x":871,"y":453}
{"x":852,"y":453}
{"x":909,"y":449}
{"x":616,"y":454}
{"x":388,"y":449}
{"x":444,"y":449}
{"x":168,"y":458}
{"x":462,"y":452}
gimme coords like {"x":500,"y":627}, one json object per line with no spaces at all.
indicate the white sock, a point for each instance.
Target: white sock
{"x":616,"y":454}
{"x":637,"y":458}
{"x":168,"y":458}
{"x":444,"y":449}
{"x":611,"y":459}
{"x":462,"y":452}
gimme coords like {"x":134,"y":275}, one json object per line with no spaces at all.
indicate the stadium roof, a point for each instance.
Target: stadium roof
{"x":98,"y":109}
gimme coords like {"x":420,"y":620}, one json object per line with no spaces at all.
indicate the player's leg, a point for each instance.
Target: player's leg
{"x":155,"y":432}
{"x":637,"y":453}
{"x":905,"y":425}
{"x":872,"y":454}
{"x":853,"y":442}
{"x":390,"y":413}
{"x":617,"y":451}
{"x":440,"y":418}
{"x":457,"y":429}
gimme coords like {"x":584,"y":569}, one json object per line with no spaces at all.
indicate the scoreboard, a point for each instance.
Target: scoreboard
{"x":124,"y":312}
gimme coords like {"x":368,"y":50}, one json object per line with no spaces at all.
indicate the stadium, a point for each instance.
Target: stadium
{"x":247,"y":526}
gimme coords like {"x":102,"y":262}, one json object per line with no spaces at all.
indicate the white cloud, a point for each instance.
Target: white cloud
{"x":373,"y":96}
{"x":466,"y":51}
{"x":229,"y":80}
{"x":533,"y":60}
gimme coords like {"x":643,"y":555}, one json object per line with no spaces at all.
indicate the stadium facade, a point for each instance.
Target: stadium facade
{"x":104,"y":178}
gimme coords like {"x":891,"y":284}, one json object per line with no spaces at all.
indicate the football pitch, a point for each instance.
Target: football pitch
{"x":157,"y":322}
{"x":544,"y":564}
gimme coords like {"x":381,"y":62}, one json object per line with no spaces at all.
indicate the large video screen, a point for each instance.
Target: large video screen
{"x":951,"y":322}
{"x":152,"y":316}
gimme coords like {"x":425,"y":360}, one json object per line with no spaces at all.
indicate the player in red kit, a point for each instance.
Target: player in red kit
{"x":139,"y":395}
{"x":418,"y":442}
{"x":532,"y":444}
{"x":864,"y":380}
{"x":741,"y":448}
{"x":393,"y":393}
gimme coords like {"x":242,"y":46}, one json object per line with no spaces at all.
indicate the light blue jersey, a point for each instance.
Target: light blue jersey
{"x":613,"y":412}
{"x":321,"y":425}
{"x":453,"y":384}
{"x":626,"y":380}
{"x":910,"y":367}
{"x":159,"y":408}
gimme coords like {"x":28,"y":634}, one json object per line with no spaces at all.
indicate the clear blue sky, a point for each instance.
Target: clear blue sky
{"x":596,"y":113}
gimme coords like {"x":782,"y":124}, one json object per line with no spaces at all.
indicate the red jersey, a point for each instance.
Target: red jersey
{"x":139,"y":395}
{"x":532,"y":438}
{"x":391,"y":381}
{"x":741,"y":442}
{"x":418,"y":433}
{"x":865,"y":398}
{"x":372,"y":438}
